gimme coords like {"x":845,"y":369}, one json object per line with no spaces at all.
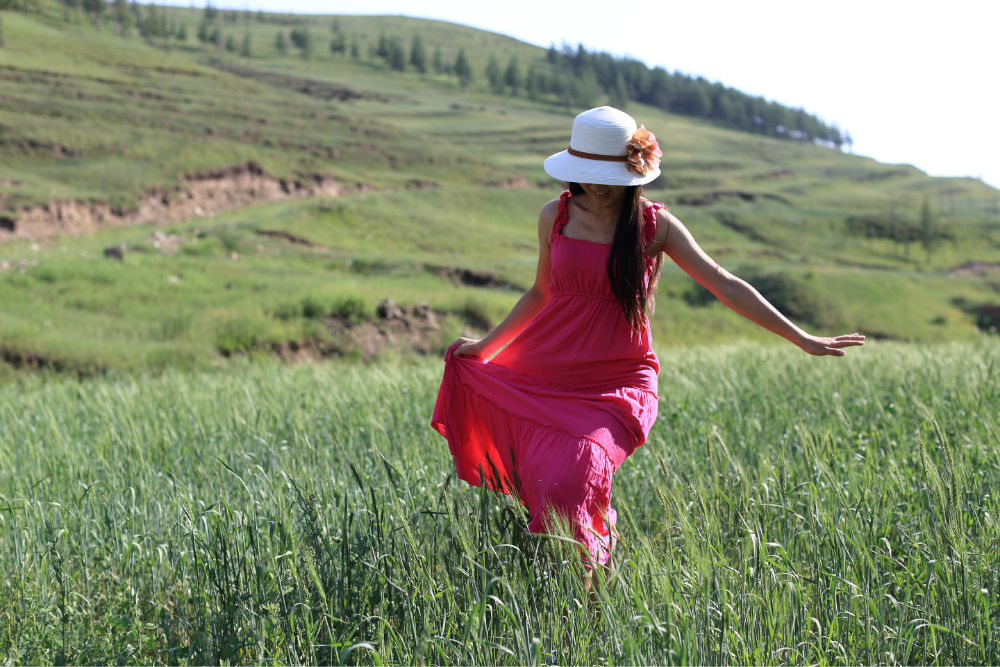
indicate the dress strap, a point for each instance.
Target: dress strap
{"x":649,"y":222}
{"x":561,"y":218}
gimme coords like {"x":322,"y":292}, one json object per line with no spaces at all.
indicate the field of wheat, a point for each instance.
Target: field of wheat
{"x":786,"y":510}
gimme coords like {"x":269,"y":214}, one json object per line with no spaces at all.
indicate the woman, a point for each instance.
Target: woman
{"x":574,"y":392}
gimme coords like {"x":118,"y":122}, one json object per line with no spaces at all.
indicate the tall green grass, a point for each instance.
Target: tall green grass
{"x":786,"y":509}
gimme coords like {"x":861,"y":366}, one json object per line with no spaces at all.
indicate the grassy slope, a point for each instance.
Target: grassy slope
{"x":136,"y":115}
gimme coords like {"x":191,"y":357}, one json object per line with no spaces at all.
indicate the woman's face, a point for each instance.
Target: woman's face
{"x":604,"y":194}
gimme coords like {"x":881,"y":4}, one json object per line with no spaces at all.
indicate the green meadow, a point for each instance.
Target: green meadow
{"x":433,"y":176}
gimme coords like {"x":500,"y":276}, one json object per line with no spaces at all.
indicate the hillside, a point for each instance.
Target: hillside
{"x":266,"y":202}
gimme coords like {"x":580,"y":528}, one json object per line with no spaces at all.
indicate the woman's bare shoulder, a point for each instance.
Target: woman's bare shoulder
{"x":550,"y":209}
{"x":547,"y":216}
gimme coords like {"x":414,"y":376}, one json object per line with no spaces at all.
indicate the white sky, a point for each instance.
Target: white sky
{"x":913,"y":81}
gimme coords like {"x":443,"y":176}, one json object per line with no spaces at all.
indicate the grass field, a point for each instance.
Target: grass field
{"x":434,"y":176}
{"x":786,"y":510}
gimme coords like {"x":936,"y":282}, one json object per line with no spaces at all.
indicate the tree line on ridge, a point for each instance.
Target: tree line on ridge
{"x":574,"y":78}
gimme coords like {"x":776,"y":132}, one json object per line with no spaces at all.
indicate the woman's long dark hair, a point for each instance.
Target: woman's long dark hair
{"x":627,"y":260}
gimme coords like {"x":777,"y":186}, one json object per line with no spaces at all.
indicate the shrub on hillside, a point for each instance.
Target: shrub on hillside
{"x":697,"y":296}
{"x":230,"y":238}
{"x":204,"y":248}
{"x":794,"y":296}
{"x":243,"y":334}
{"x":175,"y":326}
{"x":313,"y":308}
{"x":353,"y":310}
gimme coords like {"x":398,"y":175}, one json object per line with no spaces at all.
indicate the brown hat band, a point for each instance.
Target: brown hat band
{"x":594,"y":156}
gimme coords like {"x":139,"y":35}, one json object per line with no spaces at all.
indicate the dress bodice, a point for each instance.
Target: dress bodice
{"x":581,"y":337}
{"x":580,"y":266}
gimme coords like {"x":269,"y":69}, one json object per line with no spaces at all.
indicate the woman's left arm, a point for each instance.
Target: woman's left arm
{"x":673,"y":238}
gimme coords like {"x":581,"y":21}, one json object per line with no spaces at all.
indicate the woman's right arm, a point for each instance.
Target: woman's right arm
{"x":527,"y":307}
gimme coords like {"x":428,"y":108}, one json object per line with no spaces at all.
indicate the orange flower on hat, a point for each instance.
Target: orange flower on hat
{"x":643,"y":152}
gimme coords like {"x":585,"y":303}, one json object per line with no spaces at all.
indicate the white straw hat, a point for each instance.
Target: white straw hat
{"x":598,"y":151}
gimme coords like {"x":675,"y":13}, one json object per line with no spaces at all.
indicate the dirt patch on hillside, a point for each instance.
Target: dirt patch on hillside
{"x":30,"y":360}
{"x":880,"y":175}
{"x":290,"y":238}
{"x":512,"y":182}
{"x":974,"y":270}
{"x":27,"y":146}
{"x":412,"y":329}
{"x":987,"y":317}
{"x":460,"y":276}
{"x":202,"y":194}
{"x":321,"y":89}
{"x":772,"y":175}
{"x":709,"y":198}
{"x":733,"y":222}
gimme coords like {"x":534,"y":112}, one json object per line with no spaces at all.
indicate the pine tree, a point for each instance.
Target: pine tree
{"x":438,"y":61}
{"x":462,"y":69}
{"x":494,"y":76}
{"x":245,"y":48}
{"x":123,"y":17}
{"x":383,"y":46}
{"x":355,"y":53}
{"x":95,"y":8}
{"x":418,"y":58}
{"x":397,"y":58}
{"x":204,"y":33}
{"x":2,"y":43}
{"x":149,"y":27}
{"x":927,"y":235}
{"x":280,"y":44}
{"x":512,"y":77}
{"x":230,"y":44}
{"x":302,"y":39}
{"x":533,"y":83}
{"x":211,"y":13}
{"x":338,"y":44}
{"x":182,"y":33}
{"x":618,"y":95}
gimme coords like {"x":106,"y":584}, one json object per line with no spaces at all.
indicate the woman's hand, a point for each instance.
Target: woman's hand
{"x":466,"y":347}
{"x":821,"y":347}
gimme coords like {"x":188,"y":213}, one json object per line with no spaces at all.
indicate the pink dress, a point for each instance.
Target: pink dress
{"x":553,"y":415}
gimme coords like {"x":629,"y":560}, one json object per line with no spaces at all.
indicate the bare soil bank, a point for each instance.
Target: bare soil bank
{"x":202,"y":194}
{"x":414,"y":329}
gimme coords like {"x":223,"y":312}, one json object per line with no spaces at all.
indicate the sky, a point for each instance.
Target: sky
{"x":915,"y":82}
